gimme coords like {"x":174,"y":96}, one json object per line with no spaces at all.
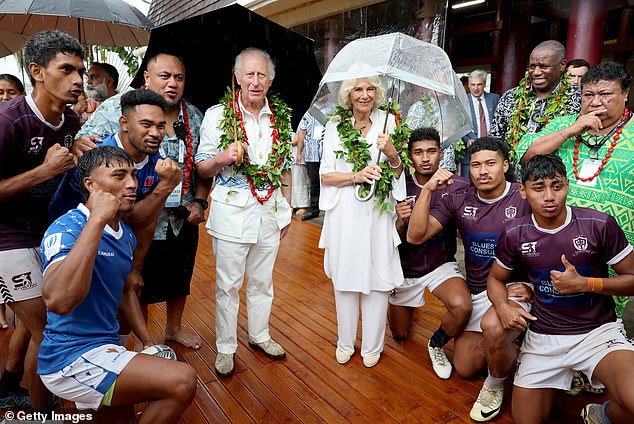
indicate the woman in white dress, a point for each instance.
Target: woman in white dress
{"x":360,"y":241}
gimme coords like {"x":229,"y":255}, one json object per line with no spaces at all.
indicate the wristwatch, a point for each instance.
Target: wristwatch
{"x":202,"y":202}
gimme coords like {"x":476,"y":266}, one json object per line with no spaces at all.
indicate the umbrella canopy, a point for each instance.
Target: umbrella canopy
{"x":210,"y":42}
{"x":428,"y":90}
{"x":96,"y":22}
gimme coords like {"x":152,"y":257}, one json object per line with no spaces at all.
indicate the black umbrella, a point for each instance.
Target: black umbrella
{"x":210,"y":42}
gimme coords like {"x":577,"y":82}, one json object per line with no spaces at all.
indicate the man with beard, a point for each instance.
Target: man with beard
{"x":169,"y":264}
{"x":544,"y":93}
{"x":36,"y":132}
{"x":102,"y":82}
{"x":479,"y":211}
{"x":431,"y":265}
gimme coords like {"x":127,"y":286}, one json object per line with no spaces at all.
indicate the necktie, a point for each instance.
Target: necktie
{"x":483,"y":121}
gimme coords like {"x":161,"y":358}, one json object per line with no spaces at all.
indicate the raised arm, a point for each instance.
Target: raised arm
{"x":149,"y":207}
{"x":549,"y":141}
{"x":423,"y":226}
{"x":57,"y":161}
{"x":67,"y":282}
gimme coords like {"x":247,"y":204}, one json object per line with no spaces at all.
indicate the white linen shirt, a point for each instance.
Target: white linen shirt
{"x":235,"y":214}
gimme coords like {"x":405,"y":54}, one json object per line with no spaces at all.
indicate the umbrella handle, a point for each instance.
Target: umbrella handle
{"x":358,"y":188}
{"x":368,"y":195}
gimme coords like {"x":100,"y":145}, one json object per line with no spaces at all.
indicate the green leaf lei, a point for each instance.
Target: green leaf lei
{"x":259,"y":176}
{"x":524,"y":106}
{"x":356,"y":150}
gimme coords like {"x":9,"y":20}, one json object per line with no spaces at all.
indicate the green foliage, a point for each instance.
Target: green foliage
{"x":271,"y":172}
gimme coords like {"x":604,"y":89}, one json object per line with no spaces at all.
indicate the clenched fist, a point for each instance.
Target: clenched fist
{"x":59,"y":159}
{"x":169,"y":172}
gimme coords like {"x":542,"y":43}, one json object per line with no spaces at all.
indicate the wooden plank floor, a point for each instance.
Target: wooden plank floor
{"x":309,"y":386}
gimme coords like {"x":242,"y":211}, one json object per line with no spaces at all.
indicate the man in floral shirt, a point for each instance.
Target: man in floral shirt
{"x":545,"y":92}
{"x":169,"y":263}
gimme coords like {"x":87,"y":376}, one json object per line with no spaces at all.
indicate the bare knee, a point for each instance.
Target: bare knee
{"x":461,"y":308}
{"x":184,"y":384}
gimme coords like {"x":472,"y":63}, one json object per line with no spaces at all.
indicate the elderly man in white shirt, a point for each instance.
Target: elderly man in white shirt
{"x":250,"y":209}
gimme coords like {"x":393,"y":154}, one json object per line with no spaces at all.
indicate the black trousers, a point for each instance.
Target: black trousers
{"x":313,"y":176}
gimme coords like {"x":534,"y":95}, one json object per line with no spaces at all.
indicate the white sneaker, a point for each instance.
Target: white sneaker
{"x":591,"y":414}
{"x":488,"y":404}
{"x":371,"y":360}
{"x":439,"y":361}
{"x":342,"y":357}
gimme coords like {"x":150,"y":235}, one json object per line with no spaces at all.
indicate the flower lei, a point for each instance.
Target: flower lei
{"x":189,"y":155}
{"x":259,"y":176}
{"x":617,"y":135}
{"x":357,"y":152}
{"x":523,"y":97}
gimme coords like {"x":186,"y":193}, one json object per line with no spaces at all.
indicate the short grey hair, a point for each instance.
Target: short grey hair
{"x":348,"y":85}
{"x":553,"y":46}
{"x":237,"y":66}
{"x":478,"y":73}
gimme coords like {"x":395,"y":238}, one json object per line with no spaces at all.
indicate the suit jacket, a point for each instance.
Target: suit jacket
{"x":491,"y":101}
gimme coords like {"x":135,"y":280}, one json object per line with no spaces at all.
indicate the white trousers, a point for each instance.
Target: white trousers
{"x":234,"y":261}
{"x":373,"y":319}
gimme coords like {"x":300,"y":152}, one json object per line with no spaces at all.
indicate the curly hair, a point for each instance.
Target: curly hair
{"x":348,"y":85}
{"x":45,"y":45}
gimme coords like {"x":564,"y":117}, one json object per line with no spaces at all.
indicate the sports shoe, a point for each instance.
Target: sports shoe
{"x":342,"y":357}
{"x":439,"y":361}
{"x":225,"y":365}
{"x":488,"y":404}
{"x":591,"y":414}
{"x":371,"y":360}
{"x":270,"y":348}
{"x":19,"y":399}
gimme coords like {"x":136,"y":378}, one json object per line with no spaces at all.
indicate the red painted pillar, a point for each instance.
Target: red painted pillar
{"x":586,"y":27}
{"x":515,"y":47}
{"x":430,"y":21}
{"x":332,"y":40}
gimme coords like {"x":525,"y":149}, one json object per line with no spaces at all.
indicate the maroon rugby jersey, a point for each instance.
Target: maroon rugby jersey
{"x":24,"y":140}
{"x":480,"y":223}
{"x":420,"y":259}
{"x":591,"y":241}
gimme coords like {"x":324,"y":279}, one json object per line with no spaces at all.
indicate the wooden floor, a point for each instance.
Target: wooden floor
{"x":309,"y":386}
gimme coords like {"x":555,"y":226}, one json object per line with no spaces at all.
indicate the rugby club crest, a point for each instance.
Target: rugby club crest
{"x":580,"y":243}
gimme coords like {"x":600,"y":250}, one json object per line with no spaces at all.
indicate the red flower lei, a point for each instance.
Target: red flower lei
{"x":575,"y":159}
{"x":261,"y":173}
{"x":189,"y":156}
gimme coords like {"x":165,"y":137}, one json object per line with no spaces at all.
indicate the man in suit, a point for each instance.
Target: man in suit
{"x":482,"y":106}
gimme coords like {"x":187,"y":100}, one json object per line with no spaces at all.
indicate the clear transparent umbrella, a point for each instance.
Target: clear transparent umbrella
{"x":427,"y":89}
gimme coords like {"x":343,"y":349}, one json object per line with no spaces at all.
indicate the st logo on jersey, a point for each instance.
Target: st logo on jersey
{"x":580,"y":243}
{"x":469,"y":211}
{"x":149,"y":181}
{"x":510,"y":212}
{"x":529,"y":249}
{"x":35,"y":146}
